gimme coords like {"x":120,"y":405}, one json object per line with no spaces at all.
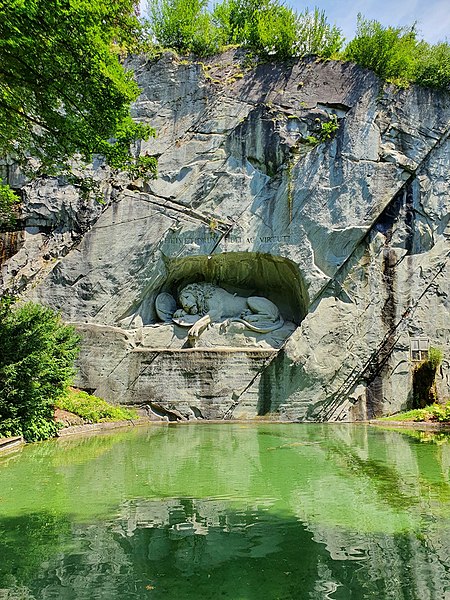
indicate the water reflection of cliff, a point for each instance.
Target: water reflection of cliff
{"x":233,"y":512}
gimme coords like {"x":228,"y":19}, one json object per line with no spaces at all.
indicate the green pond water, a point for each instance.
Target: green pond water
{"x":233,"y":511}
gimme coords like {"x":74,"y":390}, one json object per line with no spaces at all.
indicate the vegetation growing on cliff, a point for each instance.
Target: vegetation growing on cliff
{"x":275,"y":31}
{"x":64,"y":91}
{"x":184,"y":25}
{"x":424,"y":393}
{"x":424,"y":379}
{"x":266,"y":27}
{"x":36,"y":366}
{"x":396,"y":55}
{"x":7,"y":201}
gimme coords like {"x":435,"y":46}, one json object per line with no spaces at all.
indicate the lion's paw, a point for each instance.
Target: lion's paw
{"x":194,"y":331}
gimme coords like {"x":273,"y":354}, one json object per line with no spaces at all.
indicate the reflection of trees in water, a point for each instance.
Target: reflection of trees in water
{"x":190,"y":549}
{"x":308,"y":517}
{"x":26,"y":543}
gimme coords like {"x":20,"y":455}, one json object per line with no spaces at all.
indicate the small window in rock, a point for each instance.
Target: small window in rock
{"x":419,"y":349}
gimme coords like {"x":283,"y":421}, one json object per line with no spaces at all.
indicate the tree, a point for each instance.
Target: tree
{"x":63,"y":89}
{"x":184,"y":25}
{"x":264,"y":26}
{"x":317,"y":36}
{"x":433,"y":65}
{"x":388,"y":51}
{"x":274,"y":30}
{"x":36,"y":366}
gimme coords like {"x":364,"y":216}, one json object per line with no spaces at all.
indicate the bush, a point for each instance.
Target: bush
{"x":92,"y":409}
{"x":270,"y":29}
{"x":237,"y":20}
{"x":434,"y":412}
{"x":7,"y":201}
{"x":388,"y":51}
{"x":395,"y":55}
{"x":316,"y":36}
{"x":184,"y":25}
{"x":435,"y":357}
{"x":433,"y":65}
{"x":273,"y":30}
{"x":36,"y":366}
{"x":424,"y":375}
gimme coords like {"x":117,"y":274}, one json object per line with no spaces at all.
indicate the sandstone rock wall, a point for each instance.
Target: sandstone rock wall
{"x":349,"y":236}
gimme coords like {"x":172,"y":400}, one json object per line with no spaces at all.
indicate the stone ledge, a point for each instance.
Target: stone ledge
{"x":10,"y":443}
{"x":212,"y":350}
{"x":427,"y":425}
{"x":100,"y":427}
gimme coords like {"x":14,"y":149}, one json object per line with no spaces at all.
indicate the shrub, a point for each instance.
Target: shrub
{"x":433,"y":65}
{"x":434,"y":412}
{"x":271,"y":29}
{"x":36,"y":366}
{"x":435,"y":357}
{"x":92,"y":409}
{"x":328,"y":128}
{"x":324,"y":131}
{"x":388,"y":51}
{"x":238,"y":20}
{"x":316,"y":36}
{"x":275,"y":32}
{"x":424,"y":385}
{"x":7,"y":201}
{"x":184,"y":25}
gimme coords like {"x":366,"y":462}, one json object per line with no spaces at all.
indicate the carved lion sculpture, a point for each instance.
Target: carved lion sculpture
{"x":205,"y":303}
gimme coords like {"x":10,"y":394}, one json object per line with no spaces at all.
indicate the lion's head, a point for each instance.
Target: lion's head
{"x":201,"y":292}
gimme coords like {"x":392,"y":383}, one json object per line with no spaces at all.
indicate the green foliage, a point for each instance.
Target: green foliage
{"x":316,"y":36}
{"x":388,"y":51}
{"x":265,"y":27}
{"x":272,"y":29}
{"x":435,"y":357}
{"x":325,"y":131}
{"x":184,"y":25}
{"x":434,"y":412}
{"x":275,"y":33}
{"x":433,"y":65}
{"x":144,"y":168}
{"x":424,"y":375}
{"x":395,"y":55}
{"x":238,"y":20}
{"x":36,"y":366}
{"x":328,"y":128}
{"x":63,"y":89}
{"x":92,"y":409}
{"x":8,"y":200}
{"x":313,"y":140}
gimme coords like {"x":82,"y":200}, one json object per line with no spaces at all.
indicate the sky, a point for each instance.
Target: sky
{"x":432,"y":16}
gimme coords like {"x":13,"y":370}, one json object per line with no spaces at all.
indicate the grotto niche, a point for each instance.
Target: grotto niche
{"x":230,"y":299}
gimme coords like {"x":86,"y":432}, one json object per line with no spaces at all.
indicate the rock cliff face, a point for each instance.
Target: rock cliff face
{"x":345,"y":229}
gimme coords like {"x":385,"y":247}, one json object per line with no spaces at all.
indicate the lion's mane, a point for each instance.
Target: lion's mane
{"x":202,"y":293}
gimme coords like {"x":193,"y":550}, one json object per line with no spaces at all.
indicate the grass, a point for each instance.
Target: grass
{"x":92,"y":409}
{"x":439,"y":413}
